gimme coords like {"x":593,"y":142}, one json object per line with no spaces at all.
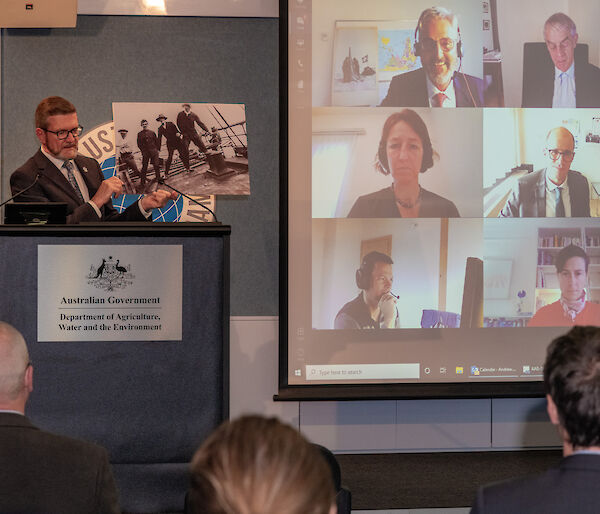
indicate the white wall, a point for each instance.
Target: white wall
{"x":456,"y":135}
{"x":512,"y":239}
{"x":326,"y":12}
{"x":500,"y":144}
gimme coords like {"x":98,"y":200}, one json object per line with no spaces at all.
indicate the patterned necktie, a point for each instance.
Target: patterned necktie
{"x":68,"y":165}
{"x":560,"y":206}
{"x":438,"y":99}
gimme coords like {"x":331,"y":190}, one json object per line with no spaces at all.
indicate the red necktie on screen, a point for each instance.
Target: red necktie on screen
{"x":438,"y":99}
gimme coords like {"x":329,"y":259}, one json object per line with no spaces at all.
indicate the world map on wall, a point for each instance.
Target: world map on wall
{"x":396,"y":52}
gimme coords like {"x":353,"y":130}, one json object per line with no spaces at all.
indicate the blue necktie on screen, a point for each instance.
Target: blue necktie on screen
{"x":68,"y":165}
{"x":566,"y":95}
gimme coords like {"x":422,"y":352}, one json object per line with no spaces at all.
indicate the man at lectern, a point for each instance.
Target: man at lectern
{"x":572,"y":382}
{"x":553,"y":191}
{"x":57,"y":173}
{"x":40,"y":471}
{"x":375,"y":306}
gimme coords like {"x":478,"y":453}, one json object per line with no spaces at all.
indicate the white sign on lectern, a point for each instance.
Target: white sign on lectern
{"x":109,"y":292}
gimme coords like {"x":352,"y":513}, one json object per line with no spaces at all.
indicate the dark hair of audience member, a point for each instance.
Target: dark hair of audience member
{"x":572,"y":379}
{"x":257,"y":465}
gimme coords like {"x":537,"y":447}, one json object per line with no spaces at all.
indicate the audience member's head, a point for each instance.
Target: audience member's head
{"x":572,"y":380}
{"x":256,"y":465}
{"x":16,"y":373}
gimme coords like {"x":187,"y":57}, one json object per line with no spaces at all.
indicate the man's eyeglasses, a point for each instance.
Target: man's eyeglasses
{"x":64,"y":134}
{"x":567,"y":155}
{"x":430,"y":45}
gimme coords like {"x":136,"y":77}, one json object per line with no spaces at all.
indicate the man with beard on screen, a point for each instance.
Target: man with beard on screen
{"x":375,"y":305}
{"x":439,"y":83}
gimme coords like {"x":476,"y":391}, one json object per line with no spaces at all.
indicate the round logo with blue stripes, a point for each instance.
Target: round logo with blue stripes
{"x":99,"y":144}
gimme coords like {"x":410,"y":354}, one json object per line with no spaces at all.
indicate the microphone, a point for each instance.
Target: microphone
{"x":162,"y":182}
{"x":37,"y":176}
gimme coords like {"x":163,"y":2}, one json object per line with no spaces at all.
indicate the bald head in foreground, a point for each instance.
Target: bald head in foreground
{"x":260,"y":465}
{"x":553,"y":191}
{"x":572,"y":382}
{"x":42,"y":472}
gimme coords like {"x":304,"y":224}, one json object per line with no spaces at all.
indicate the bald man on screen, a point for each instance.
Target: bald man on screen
{"x":554,"y":191}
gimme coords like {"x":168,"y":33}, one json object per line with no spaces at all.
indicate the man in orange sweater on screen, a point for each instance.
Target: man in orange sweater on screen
{"x":572,"y":308}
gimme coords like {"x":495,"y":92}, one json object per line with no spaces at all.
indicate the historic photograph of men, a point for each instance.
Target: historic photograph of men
{"x":196,"y":148}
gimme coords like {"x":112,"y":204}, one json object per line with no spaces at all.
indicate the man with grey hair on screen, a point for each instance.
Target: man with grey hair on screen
{"x":40,"y":471}
{"x":567,"y":81}
{"x":439,"y":83}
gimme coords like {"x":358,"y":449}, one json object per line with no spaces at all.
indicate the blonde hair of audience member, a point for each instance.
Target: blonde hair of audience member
{"x":257,"y":465}
{"x":16,"y":372}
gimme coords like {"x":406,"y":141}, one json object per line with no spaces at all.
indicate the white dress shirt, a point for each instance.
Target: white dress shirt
{"x":564,"y":88}
{"x":551,"y":188}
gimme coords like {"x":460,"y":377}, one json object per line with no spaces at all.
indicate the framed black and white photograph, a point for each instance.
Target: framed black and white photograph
{"x":195,"y":148}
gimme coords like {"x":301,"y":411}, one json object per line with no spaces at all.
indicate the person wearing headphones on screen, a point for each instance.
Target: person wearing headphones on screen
{"x":439,"y":83}
{"x":571,"y":308}
{"x":375,"y":306}
{"x":404,"y":152}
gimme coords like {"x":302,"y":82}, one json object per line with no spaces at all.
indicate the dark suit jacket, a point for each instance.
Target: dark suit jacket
{"x":410,"y":90}
{"x":382,"y":204}
{"x":171,"y":134}
{"x":186,"y":122}
{"x":571,"y":487}
{"x":52,"y":186}
{"x":538,"y":90}
{"x":147,"y":141}
{"x":528,"y":198}
{"x":43,"y":472}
